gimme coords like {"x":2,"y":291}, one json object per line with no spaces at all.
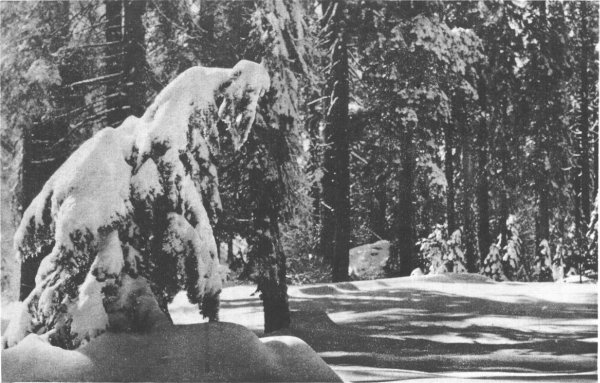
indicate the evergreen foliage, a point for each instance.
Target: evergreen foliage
{"x":442,"y":254}
{"x":384,"y":120}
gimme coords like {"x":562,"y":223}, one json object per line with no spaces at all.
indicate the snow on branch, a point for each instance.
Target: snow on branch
{"x":129,"y":203}
{"x":97,"y":80}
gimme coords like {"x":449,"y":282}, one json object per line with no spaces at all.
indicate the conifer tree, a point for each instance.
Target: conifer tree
{"x":335,"y":235}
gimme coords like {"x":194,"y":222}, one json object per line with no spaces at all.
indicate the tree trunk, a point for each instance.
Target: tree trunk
{"x":403,"y":261}
{"x":114,"y":60}
{"x":336,"y":179}
{"x":469,"y":230}
{"x":507,"y":177}
{"x":230,"y":255}
{"x":449,"y":170}
{"x":134,"y":58}
{"x":483,"y":232}
{"x":543,"y":213}
{"x":274,"y":289}
{"x":266,"y":251}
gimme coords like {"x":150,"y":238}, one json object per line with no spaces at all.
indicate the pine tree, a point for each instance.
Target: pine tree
{"x":134,"y":204}
{"x":335,"y":235}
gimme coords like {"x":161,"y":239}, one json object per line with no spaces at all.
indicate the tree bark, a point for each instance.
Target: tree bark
{"x":507,"y":177}
{"x":403,"y":254}
{"x":114,"y":60}
{"x":543,"y":213}
{"x":335,"y":236}
{"x":468,"y":222}
{"x":134,"y":58}
{"x":483,"y":232}
{"x":449,"y":170}
{"x":266,"y":252}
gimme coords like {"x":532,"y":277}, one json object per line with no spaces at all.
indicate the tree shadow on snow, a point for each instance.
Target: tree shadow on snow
{"x":433,"y":331}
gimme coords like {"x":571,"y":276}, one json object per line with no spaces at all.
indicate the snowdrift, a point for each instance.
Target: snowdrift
{"x":205,"y":352}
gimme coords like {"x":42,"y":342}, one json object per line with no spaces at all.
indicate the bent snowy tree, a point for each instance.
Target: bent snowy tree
{"x":138,"y":202}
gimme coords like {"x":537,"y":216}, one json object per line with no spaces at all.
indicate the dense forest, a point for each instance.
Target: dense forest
{"x":464,"y":133}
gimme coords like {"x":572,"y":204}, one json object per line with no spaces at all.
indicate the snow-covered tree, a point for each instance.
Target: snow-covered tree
{"x":442,"y":253}
{"x":135,"y":202}
{"x":543,"y":263}
{"x":492,"y":264}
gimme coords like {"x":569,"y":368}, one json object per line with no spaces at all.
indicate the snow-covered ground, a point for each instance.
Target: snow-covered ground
{"x":449,"y":327}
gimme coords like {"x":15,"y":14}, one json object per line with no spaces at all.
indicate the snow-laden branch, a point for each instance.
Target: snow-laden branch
{"x":129,"y":202}
{"x":97,"y":80}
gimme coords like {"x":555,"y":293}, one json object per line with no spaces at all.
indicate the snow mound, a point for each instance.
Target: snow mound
{"x":207,"y":352}
{"x":576,"y":279}
{"x":454,"y":278}
{"x":367,"y":261}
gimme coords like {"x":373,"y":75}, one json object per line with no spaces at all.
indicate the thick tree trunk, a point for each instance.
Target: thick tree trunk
{"x":134,"y":58}
{"x":508,"y":179}
{"x":230,"y":255}
{"x":468,"y":222}
{"x":114,"y":60}
{"x":483,"y":231}
{"x":543,"y":213}
{"x":266,"y":251}
{"x":404,"y":248}
{"x":336,"y":179}
{"x":449,"y":170}
{"x":274,"y":289}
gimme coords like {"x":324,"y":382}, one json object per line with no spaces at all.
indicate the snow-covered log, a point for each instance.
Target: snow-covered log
{"x":135,"y":201}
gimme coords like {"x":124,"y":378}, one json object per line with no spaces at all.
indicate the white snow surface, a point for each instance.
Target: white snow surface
{"x":201,"y":352}
{"x":448,"y":327}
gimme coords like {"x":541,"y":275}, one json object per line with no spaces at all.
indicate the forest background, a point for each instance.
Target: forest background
{"x":465,"y":133}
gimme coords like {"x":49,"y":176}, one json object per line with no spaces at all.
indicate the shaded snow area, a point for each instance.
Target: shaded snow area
{"x":449,"y":326}
{"x":196,"y":353}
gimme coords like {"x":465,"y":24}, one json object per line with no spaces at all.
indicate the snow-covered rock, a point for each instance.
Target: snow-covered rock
{"x":130,"y":203}
{"x":164,"y":352}
{"x":416,"y":272}
{"x":367,"y":261}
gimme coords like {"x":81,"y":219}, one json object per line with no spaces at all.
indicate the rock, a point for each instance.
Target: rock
{"x":416,"y":272}
{"x":367,"y":261}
